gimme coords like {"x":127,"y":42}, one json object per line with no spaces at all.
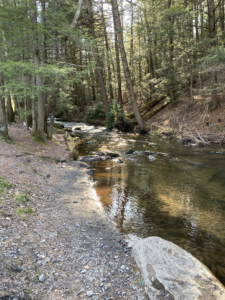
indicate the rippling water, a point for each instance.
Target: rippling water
{"x":179,"y":197}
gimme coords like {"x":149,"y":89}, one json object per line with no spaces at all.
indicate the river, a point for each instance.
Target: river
{"x":179,"y":197}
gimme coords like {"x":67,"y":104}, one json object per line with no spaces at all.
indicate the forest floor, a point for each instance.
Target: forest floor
{"x":187,"y":117}
{"x":55,"y":240}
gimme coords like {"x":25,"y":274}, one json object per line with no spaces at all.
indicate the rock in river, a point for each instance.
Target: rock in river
{"x":111,"y":154}
{"x":131,"y":151}
{"x":91,"y":158}
{"x":119,"y":160}
{"x":172,"y":273}
{"x":151,"y":158}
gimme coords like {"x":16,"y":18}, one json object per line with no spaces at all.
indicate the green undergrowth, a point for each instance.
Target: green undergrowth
{"x":22,"y":198}
{"x":4,"y":184}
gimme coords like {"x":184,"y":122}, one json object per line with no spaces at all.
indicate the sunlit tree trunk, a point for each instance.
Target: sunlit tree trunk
{"x":107,"y":56}
{"x":119,"y":88}
{"x":125,"y":66}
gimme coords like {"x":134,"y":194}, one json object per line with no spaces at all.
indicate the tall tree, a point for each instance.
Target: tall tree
{"x":130,"y":88}
{"x":99,"y":72}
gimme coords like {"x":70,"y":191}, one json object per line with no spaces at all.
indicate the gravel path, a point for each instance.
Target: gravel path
{"x":55,"y":239}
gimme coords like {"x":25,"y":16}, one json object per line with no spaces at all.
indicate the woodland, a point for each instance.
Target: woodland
{"x":89,"y":58}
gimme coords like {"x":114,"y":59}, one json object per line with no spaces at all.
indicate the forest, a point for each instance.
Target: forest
{"x":91,"y":58}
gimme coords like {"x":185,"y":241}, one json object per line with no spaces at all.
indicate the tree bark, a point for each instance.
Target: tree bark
{"x":10,"y":113}
{"x":34,"y":113}
{"x":36,"y":59}
{"x":212,"y":35}
{"x":3,"y":116}
{"x":119,"y":89}
{"x":107,"y":56}
{"x":125,"y":66}
{"x":51,"y":123}
{"x":97,"y":58}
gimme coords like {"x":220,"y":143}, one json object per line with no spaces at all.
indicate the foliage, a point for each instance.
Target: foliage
{"x":95,"y":112}
{"x":114,"y":111}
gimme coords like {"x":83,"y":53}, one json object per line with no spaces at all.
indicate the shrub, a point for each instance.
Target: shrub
{"x":95,"y":112}
{"x":115,"y":110}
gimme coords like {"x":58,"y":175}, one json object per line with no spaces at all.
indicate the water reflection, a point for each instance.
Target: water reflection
{"x":179,"y":197}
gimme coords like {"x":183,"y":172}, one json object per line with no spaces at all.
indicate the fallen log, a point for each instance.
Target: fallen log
{"x":148,"y":105}
{"x":154,"y":112}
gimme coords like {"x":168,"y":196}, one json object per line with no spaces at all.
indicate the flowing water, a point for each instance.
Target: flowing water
{"x":179,"y":197}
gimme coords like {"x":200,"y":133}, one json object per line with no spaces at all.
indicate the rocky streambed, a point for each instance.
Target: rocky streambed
{"x":160,"y":188}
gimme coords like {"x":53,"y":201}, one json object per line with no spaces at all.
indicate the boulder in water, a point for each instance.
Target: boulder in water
{"x":58,"y":126}
{"x":68,"y":129}
{"x":112,"y":154}
{"x":131,"y":151}
{"x":91,"y":158}
{"x":151,"y":158}
{"x":119,"y":160}
{"x":148,"y":152}
{"x":172,"y":273}
{"x":76,"y":128}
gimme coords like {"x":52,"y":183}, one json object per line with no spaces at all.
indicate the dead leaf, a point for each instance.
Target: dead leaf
{"x":8,"y":219}
{"x":87,"y":267}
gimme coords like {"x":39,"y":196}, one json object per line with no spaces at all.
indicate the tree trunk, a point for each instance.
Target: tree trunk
{"x":3,"y":116}
{"x":107,"y":56}
{"x":97,"y":58}
{"x":33,"y":104}
{"x":119,"y":89}
{"x":212,"y":35}
{"x":36,"y":59}
{"x":10,"y":113}
{"x":51,"y":123}
{"x":28,"y":118}
{"x":171,"y":56}
{"x":125,"y":66}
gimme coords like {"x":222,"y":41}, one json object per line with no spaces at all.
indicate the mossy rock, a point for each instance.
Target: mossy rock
{"x":72,"y":146}
{"x":58,"y":126}
{"x":68,"y":129}
{"x":75,"y":134}
{"x":58,"y":131}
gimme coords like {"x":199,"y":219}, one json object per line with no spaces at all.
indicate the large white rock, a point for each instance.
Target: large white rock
{"x":171,"y":273}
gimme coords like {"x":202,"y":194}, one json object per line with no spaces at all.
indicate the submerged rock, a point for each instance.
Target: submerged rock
{"x":90,"y":172}
{"x":68,"y":129}
{"x":174,"y":274}
{"x":151,"y":158}
{"x":58,"y":126}
{"x":111,"y":154}
{"x":119,"y":160}
{"x":148,"y":152}
{"x":131,"y":151}
{"x":100,"y":153}
{"x":75,"y":134}
{"x":91,"y":158}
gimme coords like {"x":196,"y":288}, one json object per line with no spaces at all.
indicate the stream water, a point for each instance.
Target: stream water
{"x":179,"y":197}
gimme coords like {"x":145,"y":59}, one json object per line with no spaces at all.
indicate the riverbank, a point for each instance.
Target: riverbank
{"x":56,"y":241}
{"x":190,"y":122}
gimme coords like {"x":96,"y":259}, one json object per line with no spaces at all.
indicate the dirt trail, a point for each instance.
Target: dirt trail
{"x":55,"y":240}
